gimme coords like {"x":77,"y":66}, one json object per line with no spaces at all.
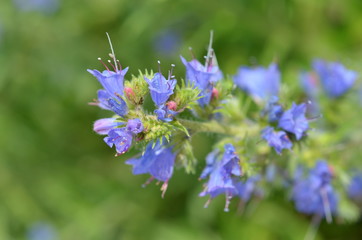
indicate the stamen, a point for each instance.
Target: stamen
{"x":227,"y":202}
{"x":114,"y":68}
{"x":207,"y":203}
{"x":164,"y":188}
{"x":192,"y":53}
{"x":113,"y":55}
{"x":159,"y":66}
{"x":119,"y":65}
{"x":170,"y":72}
{"x":148,"y":181}
{"x":100,"y":59}
{"x":326,"y":205}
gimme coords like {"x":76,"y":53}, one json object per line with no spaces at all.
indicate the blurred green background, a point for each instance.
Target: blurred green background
{"x":59,"y":180}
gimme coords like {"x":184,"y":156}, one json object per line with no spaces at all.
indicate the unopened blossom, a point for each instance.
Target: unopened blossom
{"x":164,"y":113}
{"x":104,"y":125}
{"x":294,"y":121}
{"x":134,"y":126}
{"x":334,"y":77}
{"x":261,"y":83}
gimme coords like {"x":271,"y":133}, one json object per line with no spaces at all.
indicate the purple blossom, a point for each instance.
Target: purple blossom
{"x":118,"y":106}
{"x":111,"y":81}
{"x":158,"y":161}
{"x":104,"y":125}
{"x":202,"y":77}
{"x":102,"y":100}
{"x":160,"y":88}
{"x":273,"y":110}
{"x":44,"y":6}
{"x":355,"y":188}
{"x":167,"y":42}
{"x":261,"y":83}
{"x":211,"y":159}
{"x":309,"y":83}
{"x":221,"y":173}
{"x":315,"y":194}
{"x":334,"y":77}
{"x":294,"y":120}
{"x":134,"y":126}
{"x":42,"y":231}
{"x":247,"y":188}
{"x":120,"y":138}
{"x":278,"y":140}
{"x":164,"y":113}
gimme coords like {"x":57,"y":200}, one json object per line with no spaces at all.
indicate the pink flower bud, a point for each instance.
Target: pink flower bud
{"x":215,"y":93}
{"x":129,"y":92}
{"x":171,"y":105}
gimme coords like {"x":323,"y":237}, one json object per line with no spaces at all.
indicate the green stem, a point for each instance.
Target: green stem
{"x":215,"y":127}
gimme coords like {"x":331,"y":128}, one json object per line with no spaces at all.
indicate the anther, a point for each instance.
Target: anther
{"x":100,"y":59}
{"x":159,"y":66}
{"x":119,"y":65}
{"x":114,"y":68}
{"x":192,"y":53}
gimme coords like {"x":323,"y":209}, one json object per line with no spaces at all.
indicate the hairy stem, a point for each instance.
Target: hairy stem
{"x":215,"y":127}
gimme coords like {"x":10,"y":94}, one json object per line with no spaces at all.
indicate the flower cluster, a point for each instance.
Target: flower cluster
{"x":207,"y":101}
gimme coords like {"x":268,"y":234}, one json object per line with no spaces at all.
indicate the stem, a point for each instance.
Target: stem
{"x":215,"y":127}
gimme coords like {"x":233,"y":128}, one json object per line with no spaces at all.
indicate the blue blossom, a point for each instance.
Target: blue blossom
{"x":294,"y":120}
{"x":164,"y":113}
{"x":158,"y":161}
{"x":273,"y":110}
{"x":334,"y":77}
{"x":118,"y":106}
{"x":120,"y":138}
{"x":309,"y":83}
{"x":134,"y":126}
{"x":315,"y":194}
{"x":102,"y":100}
{"x":42,"y":231}
{"x":167,"y":42}
{"x":211,"y":159}
{"x":247,"y":188}
{"x":104,"y":125}
{"x":202,"y":77}
{"x":110,"y":98}
{"x":221,"y":174}
{"x":355,"y":188}
{"x":261,"y":83}
{"x":44,"y":6}
{"x":111,"y":81}
{"x":278,"y":140}
{"x":160,"y":88}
